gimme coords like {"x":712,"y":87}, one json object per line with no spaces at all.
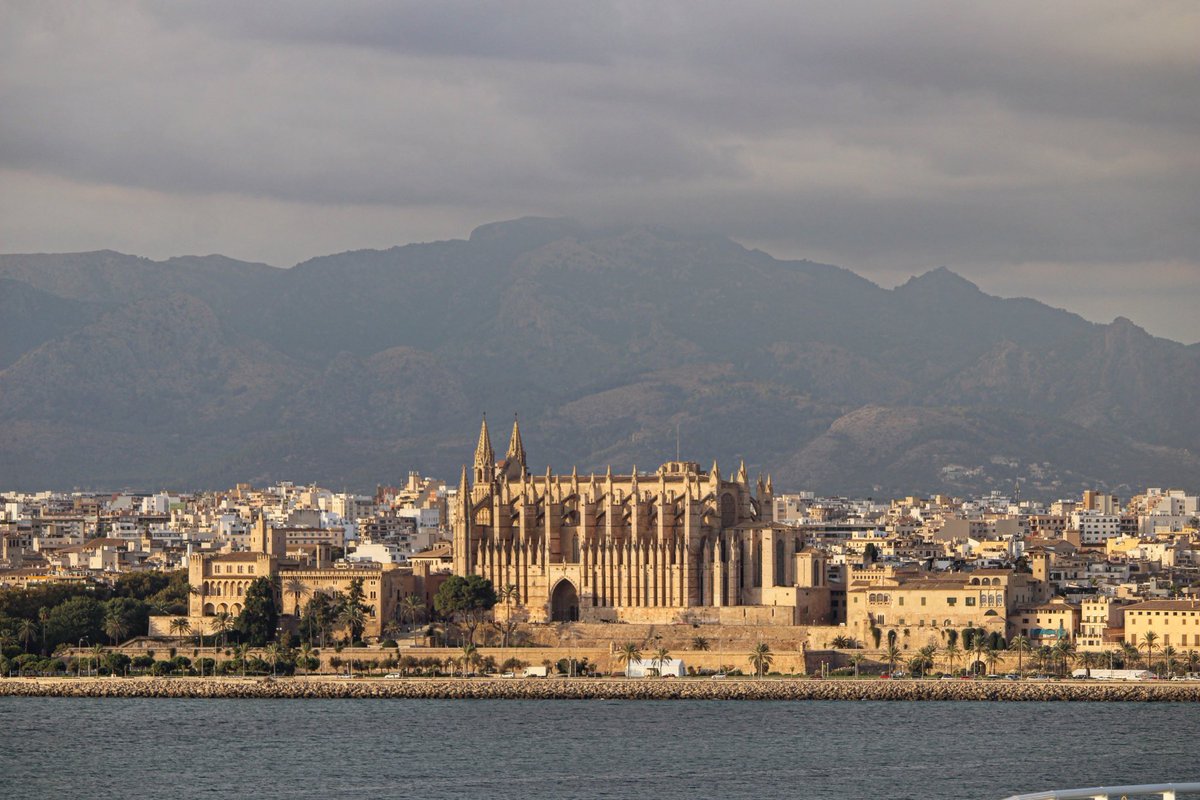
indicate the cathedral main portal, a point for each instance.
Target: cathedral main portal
{"x":564,"y":603}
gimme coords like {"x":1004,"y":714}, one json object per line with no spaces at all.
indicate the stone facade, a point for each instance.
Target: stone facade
{"x":677,"y":546}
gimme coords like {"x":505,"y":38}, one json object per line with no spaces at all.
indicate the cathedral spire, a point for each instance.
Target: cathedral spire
{"x":741,"y":476}
{"x":516,"y":450}
{"x":485,"y":456}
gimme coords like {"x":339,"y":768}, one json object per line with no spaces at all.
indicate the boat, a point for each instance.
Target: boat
{"x":1167,"y":791}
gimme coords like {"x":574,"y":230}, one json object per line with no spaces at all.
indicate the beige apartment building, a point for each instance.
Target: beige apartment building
{"x":1176,"y":623}
{"x":1047,"y":623}
{"x":1101,"y":624}
{"x":221,"y":581}
{"x":923,"y":602}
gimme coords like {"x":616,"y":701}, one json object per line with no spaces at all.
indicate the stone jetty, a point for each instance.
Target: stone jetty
{"x":600,"y":689}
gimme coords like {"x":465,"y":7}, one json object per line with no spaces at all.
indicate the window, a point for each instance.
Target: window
{"x":901,"y":601}
{"x":970,"y":601}
{"x":951,"y":601}
{"x":922,"y":600}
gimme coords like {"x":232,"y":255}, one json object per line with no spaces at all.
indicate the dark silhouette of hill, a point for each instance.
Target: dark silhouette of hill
{"x":350,"y":369}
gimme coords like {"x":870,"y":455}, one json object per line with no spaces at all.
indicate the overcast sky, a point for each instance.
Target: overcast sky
{"x":1043,"y":149}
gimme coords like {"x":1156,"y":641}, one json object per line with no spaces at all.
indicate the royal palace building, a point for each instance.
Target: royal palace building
{"x":678,"y":545}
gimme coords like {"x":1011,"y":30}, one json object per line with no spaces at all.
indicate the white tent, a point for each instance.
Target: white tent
{"x":648,"y":666}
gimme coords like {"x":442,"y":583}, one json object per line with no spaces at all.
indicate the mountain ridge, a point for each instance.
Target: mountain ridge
{"x":353,"y":367}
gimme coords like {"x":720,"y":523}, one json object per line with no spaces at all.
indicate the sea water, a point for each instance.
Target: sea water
{"x":656,"y":750}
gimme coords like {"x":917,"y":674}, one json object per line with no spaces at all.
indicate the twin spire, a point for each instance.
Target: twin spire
{"x":485,"y":456}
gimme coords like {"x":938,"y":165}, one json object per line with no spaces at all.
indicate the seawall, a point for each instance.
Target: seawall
{"x":603,"y":689}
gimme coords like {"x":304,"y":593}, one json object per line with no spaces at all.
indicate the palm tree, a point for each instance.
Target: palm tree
{"x":470,"y":654}
{"x":1021,"y":645}
{"x":892,"y":654}
{"x":841,"y":642}
{"x":1193,"y":660}
{"x":927,"y":654}
{"x":222,"y":623}
{"x":353,"y":619}
{"x":180,"y":627}
{"x":115,"y":627}
{"x":1150,"y":642}
{"x":98,"y":653}
{"x":661,"y":656}
{"x":628,"y":653}
{"x":1169,"y":653}
{"x":27,"y":631}
{"x":274,"y":651}
{"x":1064,"y":652}
{"x":243,"y":654}
{"x":979,"y":646}
{"x":1129,"y":654}
{"x":295,"y":587}
{"x":855,"y":660}
{"x":700,"y":643}
{"x":991,"y":655}
{"x":411,"y":608}
{"x":951,"y":650}
{"x":761,"y":658}
{"x":305,"y":655}
{"x":44,"y":621}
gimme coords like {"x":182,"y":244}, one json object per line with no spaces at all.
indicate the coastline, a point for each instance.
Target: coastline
{"x":602,"y":689}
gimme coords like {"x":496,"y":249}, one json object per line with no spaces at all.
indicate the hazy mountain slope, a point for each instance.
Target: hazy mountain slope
{"x":30,"y":316}
{"x":352,"y":368}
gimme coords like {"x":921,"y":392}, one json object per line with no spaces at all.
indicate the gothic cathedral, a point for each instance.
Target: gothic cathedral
{"x":681,"y":545}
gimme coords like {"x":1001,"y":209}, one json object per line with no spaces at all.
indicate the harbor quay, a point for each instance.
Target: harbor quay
{"x":779,"y":689}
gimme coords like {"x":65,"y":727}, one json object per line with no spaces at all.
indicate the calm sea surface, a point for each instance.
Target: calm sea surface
{"x":671,"y":750}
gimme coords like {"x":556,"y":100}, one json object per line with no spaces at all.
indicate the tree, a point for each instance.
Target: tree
{"x":870,"y":553}
{"x":991,"y":656}
{"x":1064,"y":652}
{"x":927,"y":654}
{"x":700,"y":644}
{"x":470,"y":654}
{"x":761,"y":658}
{"x":661,"y":656}
{"x":75,"y":619}
{"x":841,"y":642}
{"x":892,"y":654}
{"x":295,"y":587}
{"x":951,"y":652}
{"x":260,"y":615}
{"x":274,"y":651}
{"x":411,"y":608}
{"x":43,"y":618}
{"x":242,"y":653}
{"x":27,"y":631}
{"x":1169,"y":654}
{"x":353,"y":618}
{"x":97,"y":653}
{"x":628,"y":654}
{"x":114,"y":627}
{"x":306,"y":656}
{"x":1021,"y":645}
{"x":855,"y":660}
{"x":467,"y":599}
{"x":180,"y":627}
{"x":222,"y":623}
{"x":1150,"y":643}
{"x":979,"y":646}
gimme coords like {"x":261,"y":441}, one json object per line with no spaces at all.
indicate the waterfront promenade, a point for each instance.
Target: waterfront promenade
{"x":603,"y":689}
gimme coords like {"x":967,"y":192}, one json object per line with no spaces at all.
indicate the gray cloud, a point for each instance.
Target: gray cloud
{"x":1029,"y":147}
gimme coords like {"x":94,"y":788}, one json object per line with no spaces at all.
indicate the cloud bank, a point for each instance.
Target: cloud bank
{"x":1043,"y":150}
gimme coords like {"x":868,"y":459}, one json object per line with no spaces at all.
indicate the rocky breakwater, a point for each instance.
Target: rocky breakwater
{"x":602,"y":689}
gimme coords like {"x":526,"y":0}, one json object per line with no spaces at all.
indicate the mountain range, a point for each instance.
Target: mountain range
{"x":614,"y":345}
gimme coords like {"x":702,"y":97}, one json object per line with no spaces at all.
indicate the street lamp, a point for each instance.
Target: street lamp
{"x":78,"y":653}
